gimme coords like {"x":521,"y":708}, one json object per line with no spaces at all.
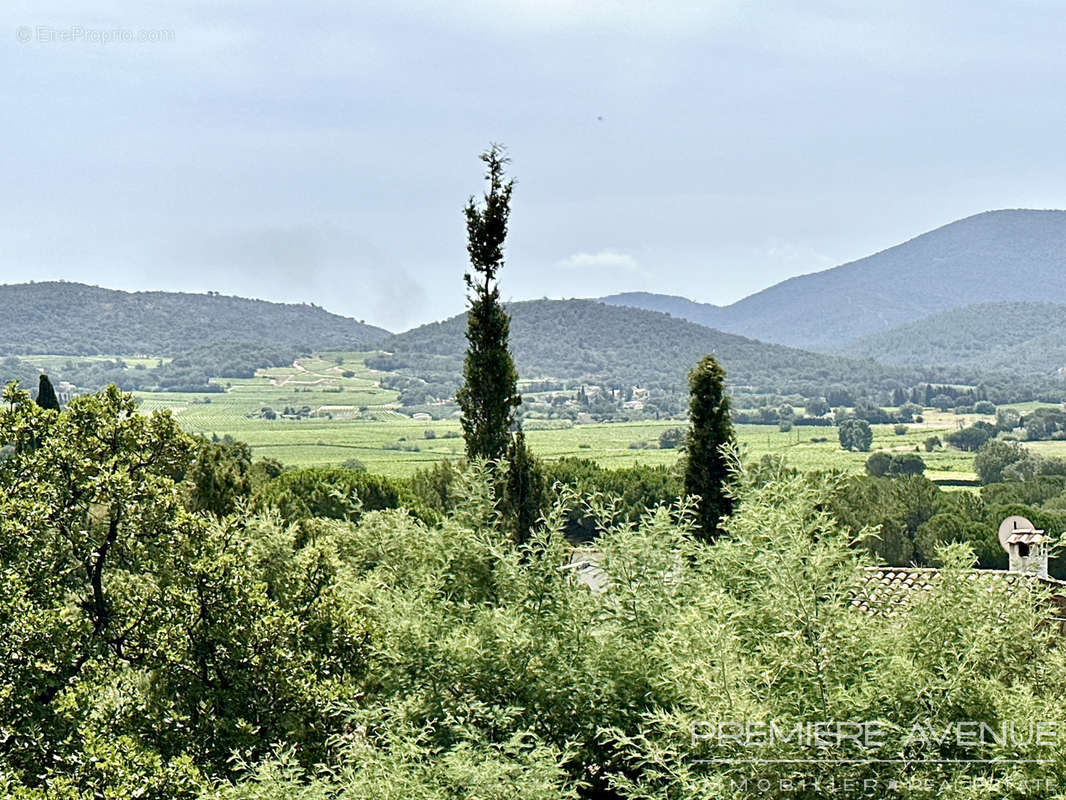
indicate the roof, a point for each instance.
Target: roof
{"x":887,"y":590}
{"x":1031,"y":536}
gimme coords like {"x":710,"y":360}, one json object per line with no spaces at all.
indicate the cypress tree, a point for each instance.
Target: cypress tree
{"x":706,"y":470}
{"x":523,"y":488}
{"x":46,"y":395}
{"x":489,"y":394}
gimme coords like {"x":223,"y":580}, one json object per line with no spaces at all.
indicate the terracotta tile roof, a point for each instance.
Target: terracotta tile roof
{"x":1026,"y":537}
{"x":887,"y":590}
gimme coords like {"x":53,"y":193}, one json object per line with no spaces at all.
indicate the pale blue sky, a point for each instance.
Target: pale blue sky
{"x":323,"y":151}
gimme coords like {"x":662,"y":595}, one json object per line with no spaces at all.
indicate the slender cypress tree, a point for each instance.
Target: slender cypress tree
{"x":523,"y":488}
{"x":46,"y":395}
{"x":489,"y":394}
{"x":706,"y":470}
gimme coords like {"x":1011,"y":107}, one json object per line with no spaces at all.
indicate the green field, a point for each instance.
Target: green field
{"x":353,"y":417}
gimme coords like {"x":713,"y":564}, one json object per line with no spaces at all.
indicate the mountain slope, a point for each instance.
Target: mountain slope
{"x":72,"y":318}
{"x":591,"y":341}
{"x":997,"y":256}
{"x":1020,"y":338}
{"x":711,"y":316}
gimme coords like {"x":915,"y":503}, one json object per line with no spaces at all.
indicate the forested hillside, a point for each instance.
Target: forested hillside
{"x":75,"y":319}
{"x":1013,"y":255}
{"x":598,"y":343}
{"x":1022,"y":338}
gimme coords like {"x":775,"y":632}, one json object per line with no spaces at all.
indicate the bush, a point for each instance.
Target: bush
{"x":995,"y":457}
{"x":881,"y":465}
{"x":855,"y":434}
{"x":331,"y":492}
{"x":971,"y":439}
{"x":899,"y":430}
{"x":671,"y":438}
{"x":878,"y":464}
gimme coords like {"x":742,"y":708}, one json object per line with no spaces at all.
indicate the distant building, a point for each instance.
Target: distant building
{"x":65,"y":392}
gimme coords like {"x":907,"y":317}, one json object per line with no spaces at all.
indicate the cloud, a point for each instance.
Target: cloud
{"x":603,"y":259}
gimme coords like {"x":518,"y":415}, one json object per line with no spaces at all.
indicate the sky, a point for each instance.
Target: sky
{"x":322,"y":152}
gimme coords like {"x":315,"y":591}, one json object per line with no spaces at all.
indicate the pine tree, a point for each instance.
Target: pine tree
{"x":46,"y":395}
{"x":706,"y":470}
{"x":489,"y":394}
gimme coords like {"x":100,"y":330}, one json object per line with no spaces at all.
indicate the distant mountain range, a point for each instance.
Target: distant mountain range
{"x":75,"y":319}
{"x":1019,"y":338}
{"x":982,"y":296}
{"x":994,"y":257}
{"x":600,"y":343}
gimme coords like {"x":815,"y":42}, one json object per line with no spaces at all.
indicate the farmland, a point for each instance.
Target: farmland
{"x":341,"y":413}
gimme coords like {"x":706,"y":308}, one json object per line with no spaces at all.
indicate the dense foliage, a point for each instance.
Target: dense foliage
{"x":168,"y":634}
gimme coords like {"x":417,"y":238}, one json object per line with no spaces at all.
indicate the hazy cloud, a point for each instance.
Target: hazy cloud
{"x":602,"y":259}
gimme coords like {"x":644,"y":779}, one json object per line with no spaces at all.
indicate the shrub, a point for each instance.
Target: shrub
{"x":332,"y":492}
{"x":855,"y":434}
{"x":671,"y":438}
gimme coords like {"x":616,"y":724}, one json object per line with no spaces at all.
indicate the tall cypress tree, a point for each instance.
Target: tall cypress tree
{"x":46,"y":395}
{"x":489,"y":394}
{"x":706,"y":470}
{"x":523,"y":488}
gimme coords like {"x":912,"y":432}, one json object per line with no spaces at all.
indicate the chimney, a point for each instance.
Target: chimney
{"x":1027,"y":547}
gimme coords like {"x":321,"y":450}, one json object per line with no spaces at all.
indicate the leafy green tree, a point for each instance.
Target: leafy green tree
{"x":46,"y":395}
{"x":906,"y":464}
{"x":878,"y":465}
{"x":816,"y":407}
{"x":219,"y":476}
{"x":855,"y":434}
{"x":86,"y":517}
{"x":1007,"y":419}
{"x":972,"y":438}
{"x":671,"y":438}
{"x":710,"y":431}
{"x":489,"y":394}
{"x":996,"y":456}
{"x":330,"y":492}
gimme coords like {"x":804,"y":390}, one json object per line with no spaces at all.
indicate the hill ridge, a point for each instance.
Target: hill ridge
{"x":992,"y":256}
{"x":65,"y":317}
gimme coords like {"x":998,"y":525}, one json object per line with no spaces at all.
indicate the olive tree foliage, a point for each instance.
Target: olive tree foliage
{"x":489,"y":395}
